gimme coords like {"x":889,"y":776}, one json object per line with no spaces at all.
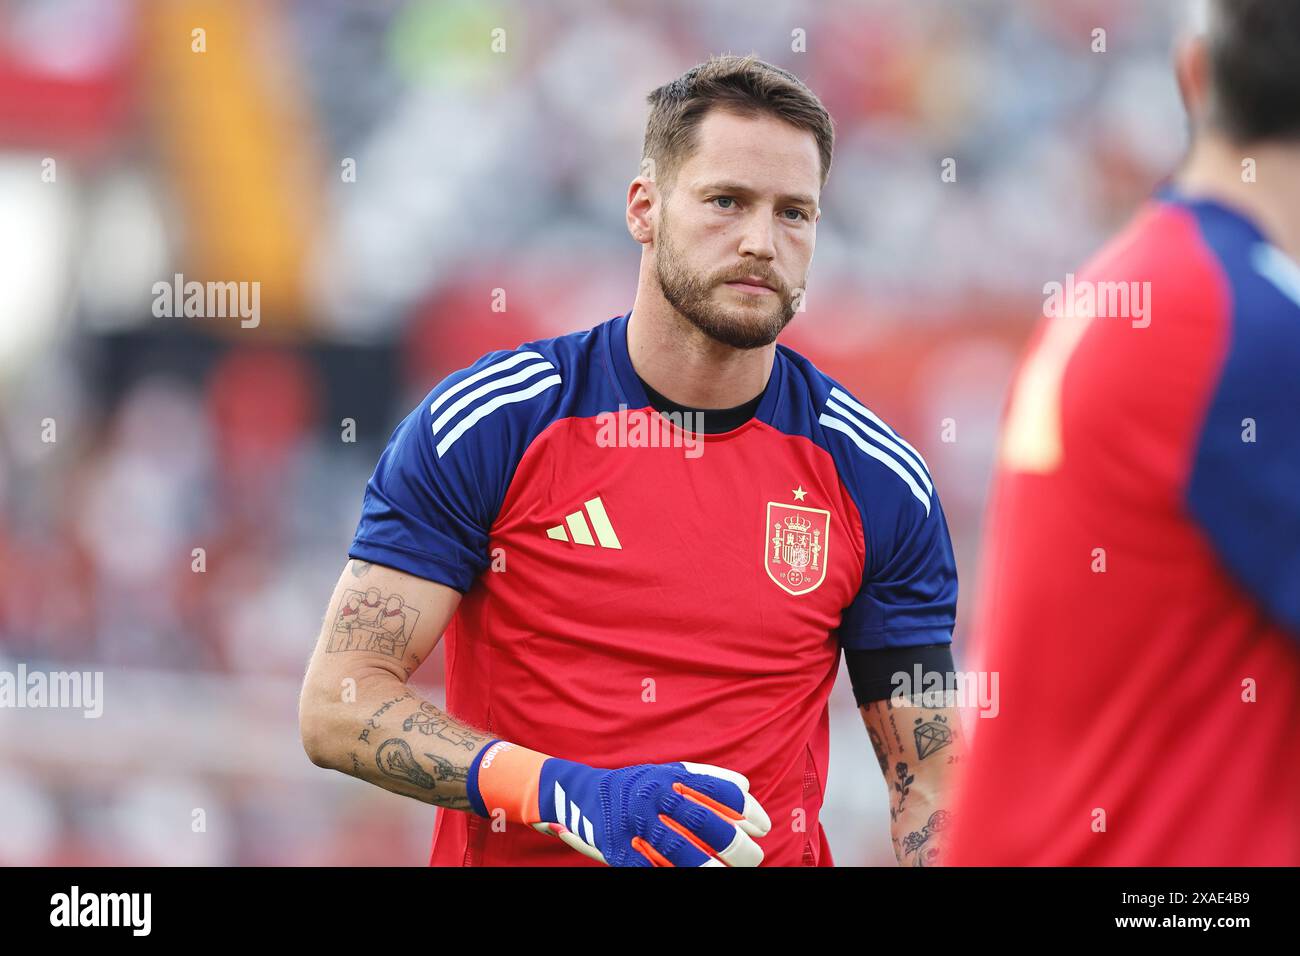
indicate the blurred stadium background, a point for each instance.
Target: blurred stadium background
{"x":127,"y":157}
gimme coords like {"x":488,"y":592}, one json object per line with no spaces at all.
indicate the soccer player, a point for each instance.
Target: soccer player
{"x":648,"y":543}
{"x":1141,"y":584}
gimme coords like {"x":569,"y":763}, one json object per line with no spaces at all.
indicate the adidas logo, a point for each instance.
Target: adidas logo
{"x":573,"y":819}
{"x":576,"y":529}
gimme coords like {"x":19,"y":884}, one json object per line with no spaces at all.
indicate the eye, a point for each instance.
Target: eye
{"x":798,"y":214}
{"x":724,"y":199}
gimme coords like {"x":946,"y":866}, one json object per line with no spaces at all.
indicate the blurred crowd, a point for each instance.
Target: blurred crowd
{"x":177,"y":495}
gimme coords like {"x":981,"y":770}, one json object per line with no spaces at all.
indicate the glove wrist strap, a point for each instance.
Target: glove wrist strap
{"x":505,"y":776}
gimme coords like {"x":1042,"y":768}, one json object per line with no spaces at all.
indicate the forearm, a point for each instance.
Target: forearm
{"x":918,"y":749}
{"x":356,"y":713}
{"x":379,"y":731}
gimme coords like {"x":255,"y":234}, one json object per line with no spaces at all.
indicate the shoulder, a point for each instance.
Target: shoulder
{"x":1254,"y":381}
{"x":875,"y":461}
{"x":1256,"y":310}
{"x":501,"y":392}
{"x":508,"y":396}
{"x":1224,"y":319}
{"x":1265,"y":329}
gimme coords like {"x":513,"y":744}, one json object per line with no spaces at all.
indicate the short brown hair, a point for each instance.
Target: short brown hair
{"x":744,"y":85}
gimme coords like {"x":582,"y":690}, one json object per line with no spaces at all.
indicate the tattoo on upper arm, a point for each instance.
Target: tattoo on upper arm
{"x":412,"y":667}
{"x":882,"y":756}
{"x":902,"y":787}
{"x":931,"y":735}
{"x":931,"y":732}
{"x":371,"y":621}
{"x":885,"y":708}
{"x":359,"y":568}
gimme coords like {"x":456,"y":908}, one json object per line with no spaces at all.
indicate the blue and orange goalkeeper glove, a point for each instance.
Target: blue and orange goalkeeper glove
{"x":675,"y":814}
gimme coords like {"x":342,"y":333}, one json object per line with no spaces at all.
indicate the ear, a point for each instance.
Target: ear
{"x":642,"y":209}
{"x":1192,"y":68}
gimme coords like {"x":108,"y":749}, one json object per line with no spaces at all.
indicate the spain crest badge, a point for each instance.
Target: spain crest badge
{"x":796,"y":546}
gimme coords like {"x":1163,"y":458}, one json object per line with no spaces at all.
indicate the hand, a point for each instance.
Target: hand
{"x":677,"y":814}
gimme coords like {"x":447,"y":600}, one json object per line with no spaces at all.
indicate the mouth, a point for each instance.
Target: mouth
{"x":752,"y":285}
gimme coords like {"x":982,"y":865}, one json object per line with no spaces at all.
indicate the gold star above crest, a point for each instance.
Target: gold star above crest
{"x":799,"y":493}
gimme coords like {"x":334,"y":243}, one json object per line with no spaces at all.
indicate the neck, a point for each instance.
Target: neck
{"x":1213,"y":170}
{"x":683,"y":364}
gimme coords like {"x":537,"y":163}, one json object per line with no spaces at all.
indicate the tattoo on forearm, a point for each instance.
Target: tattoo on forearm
{"x":395,"y":759}
{"x":429,"y":721}
{"x":445,"y":770}
{"x":372,"y":621}
{"x":921,"y":845}
{"x":388,"y":705}
{"x":931,"y":735}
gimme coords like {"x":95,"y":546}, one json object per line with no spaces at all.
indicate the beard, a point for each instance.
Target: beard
{"x":749,"y":324}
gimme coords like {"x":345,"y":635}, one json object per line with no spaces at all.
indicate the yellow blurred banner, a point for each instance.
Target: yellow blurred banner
{"x":237,"y":135}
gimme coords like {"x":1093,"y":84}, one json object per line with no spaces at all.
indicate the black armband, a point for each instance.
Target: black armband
{"x":876,"y":673}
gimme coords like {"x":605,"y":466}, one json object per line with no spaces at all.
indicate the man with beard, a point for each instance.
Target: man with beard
{"x":616,"y":612}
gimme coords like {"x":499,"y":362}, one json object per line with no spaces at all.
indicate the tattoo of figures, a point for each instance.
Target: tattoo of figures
{"x":882,"y":757}
{"x":931,"y":735}
{"x":902,"y":787}
{"x":368,"y":621}
{"x":921,"y":845}
{"x":427,"y":720}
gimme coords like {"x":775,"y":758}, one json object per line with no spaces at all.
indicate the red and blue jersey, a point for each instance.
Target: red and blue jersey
{"x":636,"y":592}
{"x":1140,"y":594}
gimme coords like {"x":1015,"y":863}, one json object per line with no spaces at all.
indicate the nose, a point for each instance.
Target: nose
{"x":757,"y":238}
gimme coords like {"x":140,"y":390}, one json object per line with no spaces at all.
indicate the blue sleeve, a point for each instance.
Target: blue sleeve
{"x":908,"y":595}
{"x":1244,"y":489}
{"x":430,"y":505}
